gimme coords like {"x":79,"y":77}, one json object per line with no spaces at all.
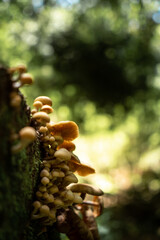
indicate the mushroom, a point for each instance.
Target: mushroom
{"x":27,"y":135}
{"x":16,"y":72}
{"x":43,"y":212}
{"x":33,"y":111}
{"x":41,"y":117}
{"x":84,"y":170}
{"x":53,"y":189}
{"x":21,"y":68}
{"x":68,"y":130}
{"x":62,"y":154}
{"x":15,"y":101}
{"x":58,"y":202}
{"x":45,"y":180}
{"x":63,"y":166}
{"x":25,"y":78}
{"x":70,"y":178}
{"x":46,"y":108}
{"x":44,"y":100}
{"x":77,"y":198}
{"x":44,"y":173}
{"x":37,"y":105}
{"x":58,"y":139}
{"x":57,"y":173}
{"x":85,"y":188}
{"x":43,"y":129}
{"x":70,"y":146}
{"x":36,"y":205}
{"x":42,"y":188}
{"x":39,"y":194}
{"x":67,"y":195}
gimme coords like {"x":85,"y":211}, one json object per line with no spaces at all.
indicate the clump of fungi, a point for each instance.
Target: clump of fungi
{"x":19,"y":77}
{"x":58,"y":187}
{"x":55,"y":190}
{"x":26,"y":135}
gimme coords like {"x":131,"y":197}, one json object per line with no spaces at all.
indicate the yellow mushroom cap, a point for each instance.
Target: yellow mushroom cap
{"x":26,"y":78}
{"x":70,"y":146}
{"x":85,"y":188}
{"x":66,"y":129}
{"x":41,"y":117}
{"x":28,"y":134}
{"x":46,"y":108}
{"x":44,"y":100}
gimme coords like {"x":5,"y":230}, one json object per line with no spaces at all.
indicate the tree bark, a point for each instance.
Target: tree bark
{"x":19,"y":173}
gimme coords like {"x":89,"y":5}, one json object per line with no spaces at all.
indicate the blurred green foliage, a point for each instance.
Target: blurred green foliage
{"x":99,"y":61}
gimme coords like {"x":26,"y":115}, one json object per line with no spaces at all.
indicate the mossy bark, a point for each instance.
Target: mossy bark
{"x":19,"y":173}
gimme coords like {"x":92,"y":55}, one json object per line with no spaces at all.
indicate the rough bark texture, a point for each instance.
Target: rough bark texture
{"x":18,"y":172}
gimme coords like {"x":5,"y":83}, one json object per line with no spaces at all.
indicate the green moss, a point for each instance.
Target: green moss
{"x":19,"y":175}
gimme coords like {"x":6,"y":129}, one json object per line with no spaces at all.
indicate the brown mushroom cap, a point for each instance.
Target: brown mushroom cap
{"x":67,"y":129}
{"x":21,"y":68}
{"x":41,"y":117}
{"x":26,"y":78}
{"x":37,"y":104}
{"x":70,"y":146}
{"x":46,"y":108}
{"x":82,"y":169}
{"x":85,"y":188}
{"x":44,"y":100}
{"x":27,"y":134}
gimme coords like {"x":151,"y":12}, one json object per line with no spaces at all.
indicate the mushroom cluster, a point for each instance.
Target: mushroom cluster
{"x":19,"y":77}
{"x":58,"y":166}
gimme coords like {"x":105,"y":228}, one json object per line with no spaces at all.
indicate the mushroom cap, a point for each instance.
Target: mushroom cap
{"x":37,"y":104}
{"x":21,"y":68}
{"x":67,"y":129}
{"x":41,"y":116}
{"x":80,"y":168}
{"x":84,"y":170}
{"x":27,"y":133}
{"x":43,"y":129}
{"x":44,"y":100}
{"x":46,"y":108}
{"x":26,"y":78}
{"x":44,"y":209}
{"x":70,"y":146}
{"x":36,"y":204}
{"x":85,"y":188}
{"x":63,"y":154}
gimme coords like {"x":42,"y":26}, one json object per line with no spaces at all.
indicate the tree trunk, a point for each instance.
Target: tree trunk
{"x":19,"y":172}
